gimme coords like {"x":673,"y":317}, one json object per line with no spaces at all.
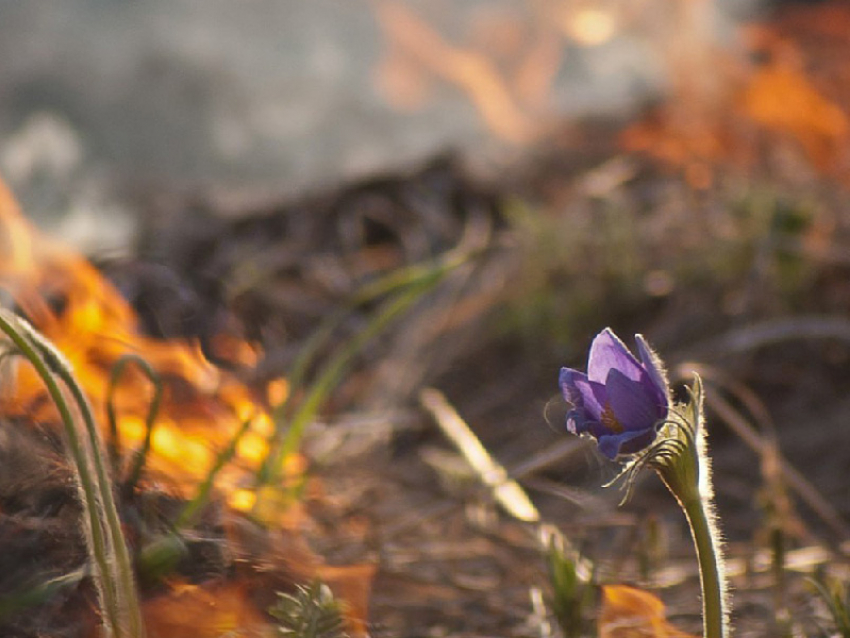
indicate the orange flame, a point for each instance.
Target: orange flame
{"x":794,"y":98}
{"x":93,"y":326}
{"x":216,"y":609}
{"x":202,"y":408}
{"x":781,"y":98}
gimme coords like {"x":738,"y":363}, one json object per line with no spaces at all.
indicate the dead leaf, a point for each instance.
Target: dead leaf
{"x":282,"y":558}
{"x":203,"y":611}
{"x":628,"y":612}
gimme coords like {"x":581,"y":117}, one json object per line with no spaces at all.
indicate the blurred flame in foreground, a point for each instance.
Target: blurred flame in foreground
{"x":203,"y":406}
{"x":202,"y":409}
{"x":222,"y":609}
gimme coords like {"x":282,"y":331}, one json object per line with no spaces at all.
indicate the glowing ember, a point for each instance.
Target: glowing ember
{"x":87,"y":319}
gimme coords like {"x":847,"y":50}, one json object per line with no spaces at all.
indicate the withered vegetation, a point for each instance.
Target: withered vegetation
{"x":734,"y":261}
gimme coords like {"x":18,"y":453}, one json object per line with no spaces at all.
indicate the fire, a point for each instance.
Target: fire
{"x":791,"y":97}
{"x":777,"y":91}
{"x":781,"y":98}
{"x":86,"y":318}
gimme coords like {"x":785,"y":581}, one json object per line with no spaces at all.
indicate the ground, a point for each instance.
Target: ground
{"x":716,"y":228}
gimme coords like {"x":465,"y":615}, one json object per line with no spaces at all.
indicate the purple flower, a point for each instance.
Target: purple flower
{"x":620,"y":400}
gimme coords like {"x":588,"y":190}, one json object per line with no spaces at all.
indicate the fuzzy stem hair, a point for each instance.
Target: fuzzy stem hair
{"x":684,"y":466}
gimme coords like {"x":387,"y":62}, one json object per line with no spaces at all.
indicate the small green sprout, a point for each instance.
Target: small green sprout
{"x":310,"y":612}
{"x":837,"y":598}
{"x":572,"y":592}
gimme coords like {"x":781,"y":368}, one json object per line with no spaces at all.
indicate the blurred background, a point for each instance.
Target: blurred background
{"x":103,"y":99}
{"x":677,"y":168}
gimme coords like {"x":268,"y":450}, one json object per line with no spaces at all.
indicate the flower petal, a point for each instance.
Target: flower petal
{"x":633,"y":442}
{"x":607,"y":352}
{"x":652,"y":365}
{"x":567,"y":381}
{"x":612,"y":445}
{"x":594,"y":397}
{"x":577,"y":422}
{"x":634,"y":403}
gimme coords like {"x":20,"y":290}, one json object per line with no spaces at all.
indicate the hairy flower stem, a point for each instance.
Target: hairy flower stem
{"x":681,"y":460}
{"x":125,"y":585}
{"x":99,"y":548}
{"x":626,"y":404}
{"x":707,"y":547}
{"x":108,"y":547}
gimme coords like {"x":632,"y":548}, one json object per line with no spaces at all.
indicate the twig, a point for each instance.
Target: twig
{"x":153,"y":410}
{"x":505,"y":490}
{"x":765,"y":333}
{"x":555,"y":453}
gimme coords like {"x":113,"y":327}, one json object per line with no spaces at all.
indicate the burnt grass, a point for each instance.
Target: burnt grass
{"x":747,"y":278}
